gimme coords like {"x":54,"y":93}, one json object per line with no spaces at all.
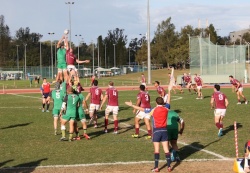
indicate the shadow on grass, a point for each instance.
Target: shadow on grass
{"x":231,"y":128}
{"x":192,"y":148}
{"x":3,"y":163}
{"x":16,"y":125}
{"x":206,"y":97}
{"x":189,"y":150}
{"x":24,"y":167}
{"x":177,"y":111}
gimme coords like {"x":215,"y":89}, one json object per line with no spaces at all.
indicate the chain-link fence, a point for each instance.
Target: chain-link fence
{"x":211,"y":59}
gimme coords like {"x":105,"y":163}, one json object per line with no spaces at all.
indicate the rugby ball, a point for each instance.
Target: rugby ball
{"x":66,"y":31}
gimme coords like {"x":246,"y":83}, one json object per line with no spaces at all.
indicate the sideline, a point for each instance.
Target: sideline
{"x":113,"y":163}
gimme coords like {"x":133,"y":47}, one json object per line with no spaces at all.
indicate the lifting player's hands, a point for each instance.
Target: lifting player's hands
{"x":87,"y":61}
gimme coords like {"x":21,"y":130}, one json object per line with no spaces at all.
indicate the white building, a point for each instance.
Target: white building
{"x":237,"y":34}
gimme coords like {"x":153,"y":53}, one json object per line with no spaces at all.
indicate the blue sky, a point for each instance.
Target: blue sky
{"x":92,"y":18}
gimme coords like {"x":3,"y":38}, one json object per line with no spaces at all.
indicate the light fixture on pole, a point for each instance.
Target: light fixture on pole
{"x":25,"y":58}
{"x":129,"y":56}
{"x":40,"y":53}
{"x":93,"y":70}
{"x":17,"y":57}
{"x":105,"y":55}
{"x":55,"y":54}
{"x":51,"y":33}
{"x":69,"y":3}
{"x":114,"y":55}
{"x":40,"y":58}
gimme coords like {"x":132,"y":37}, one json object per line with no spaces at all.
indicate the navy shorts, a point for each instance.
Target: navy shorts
{"x":45,"y":95}
{"x":160,"y":135}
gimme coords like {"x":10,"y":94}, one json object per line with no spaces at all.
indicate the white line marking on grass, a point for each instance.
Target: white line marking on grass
{"x":206,"y":151}
{"x":114,"y":163}
{"x":25,"y":96}
{"x":14,"y":107}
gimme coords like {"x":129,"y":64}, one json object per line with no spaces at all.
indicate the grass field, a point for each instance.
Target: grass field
{"x":27,"y":135}
{"x":122,"y":80}
{"x":28,"y":140}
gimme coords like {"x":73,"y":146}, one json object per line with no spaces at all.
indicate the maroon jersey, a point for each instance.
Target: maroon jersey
{"x":95,"y":95}
{"x":234,"y":82}
{"x":112,"y":94}
{"x":219,"y":99}
{"x":144,"y":98}
{"x":198,"y":81}
{"x":187,"y":79}
{"x":161,"y":91}
{"x":70,"y":58}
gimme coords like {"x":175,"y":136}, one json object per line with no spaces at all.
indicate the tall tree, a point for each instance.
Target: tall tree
{"x":116,"y":45}
{"x":165,"y":40}
{"x":4,"y":41}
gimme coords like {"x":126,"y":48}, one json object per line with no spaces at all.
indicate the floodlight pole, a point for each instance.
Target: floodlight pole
{"x":51,"y":33}
{"x":148,"y":39}
{"x":69,"y":3}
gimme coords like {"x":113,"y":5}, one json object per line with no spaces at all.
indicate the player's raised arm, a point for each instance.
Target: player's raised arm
{"x":134,"y":106}
{"x":59,"y":42}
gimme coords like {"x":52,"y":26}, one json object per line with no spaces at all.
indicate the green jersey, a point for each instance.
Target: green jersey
{"x":57,"y":96}
{"x":81,"y":97}
{"x":61,"y":56}
{"x":63,"y":87}
{"x":72,"y":101}
{"x":173,"y":120}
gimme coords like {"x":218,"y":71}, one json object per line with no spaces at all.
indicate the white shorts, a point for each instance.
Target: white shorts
{"x":141,"y":115}
{"x":240,"y":89}
{"x":113,"y":109}
{"x":60,"y":70}
{"x":93,"y":107}
{"x":71,"y":67}
{"x":143,"y":84}
{"x":220,"y":112}
{"x":199,"y":87}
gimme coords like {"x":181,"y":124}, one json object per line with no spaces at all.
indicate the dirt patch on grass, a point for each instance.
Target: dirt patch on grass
{"x":186,"y":166}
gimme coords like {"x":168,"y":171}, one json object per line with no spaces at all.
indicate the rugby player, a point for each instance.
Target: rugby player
{"x":220,"y":102}
{"x":69,"y":105}
{"x":143,"y":100}
{"x":161,"y":91}
{"x":238,"y":89}
{"x":199,"y":83}
{"x":57,"y":96}
{"x":80,"y":114}
{"x":95,"y":95}
{"x":45,"y":91}
{"x":160,"y":135}
{"x":61,"y":59}
{"x":188,"y":81}
{"x":111,"y":95}
{"x":245,"y":164}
